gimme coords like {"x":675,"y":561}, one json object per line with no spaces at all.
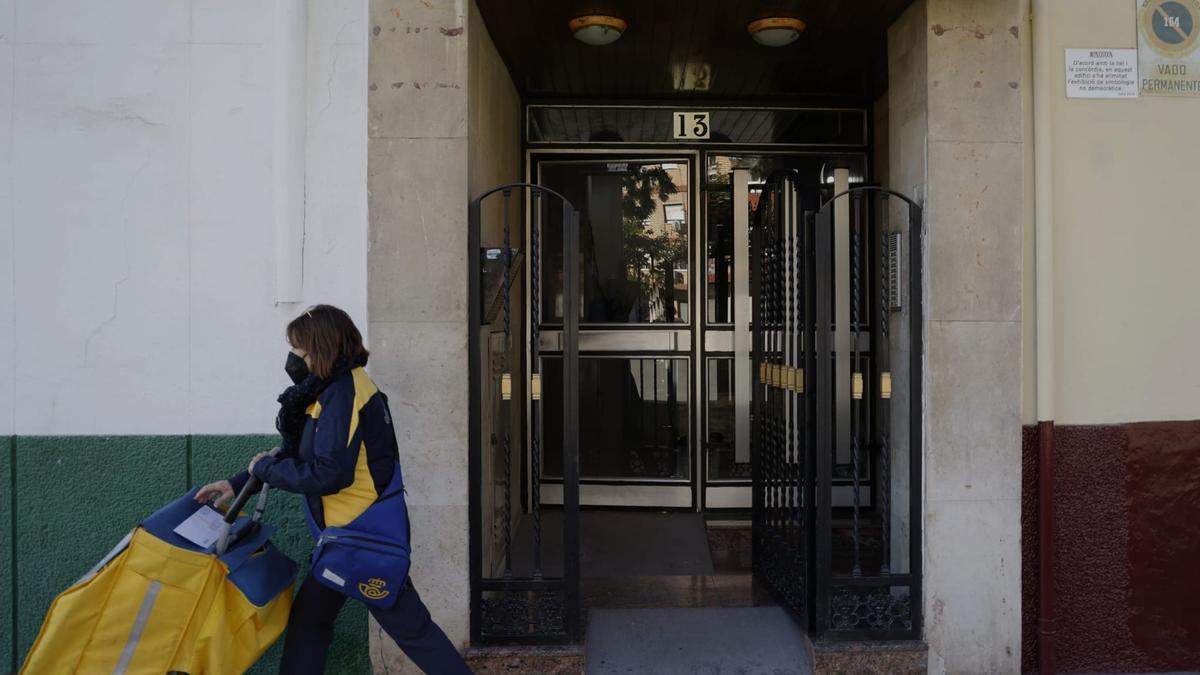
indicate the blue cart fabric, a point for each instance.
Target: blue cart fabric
{"x":258,"y":569}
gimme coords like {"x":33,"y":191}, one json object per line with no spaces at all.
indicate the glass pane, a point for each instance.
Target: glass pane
{"x":721,"y":438}
{"x":633,"y":232}
{"x":719,"y":226}
{"x":810,"y":165}
{"x":633,"y":418}
{"x":719,"y":214}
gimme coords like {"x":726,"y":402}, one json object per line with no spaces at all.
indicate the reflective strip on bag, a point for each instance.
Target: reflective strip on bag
{"x":139,"y":627}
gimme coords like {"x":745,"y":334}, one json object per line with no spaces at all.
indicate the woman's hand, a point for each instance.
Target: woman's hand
{"x":254,"y":461}
{"x":221,"y":490}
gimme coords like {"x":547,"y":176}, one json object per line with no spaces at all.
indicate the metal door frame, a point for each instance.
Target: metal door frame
{"x":603,"y":487}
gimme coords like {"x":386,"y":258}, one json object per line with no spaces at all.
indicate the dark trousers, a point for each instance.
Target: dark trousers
{"x":310,"y":631}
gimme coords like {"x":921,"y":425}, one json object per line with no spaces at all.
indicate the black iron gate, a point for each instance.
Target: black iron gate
{"x":524,"y":585}
{"x":836,"y":501}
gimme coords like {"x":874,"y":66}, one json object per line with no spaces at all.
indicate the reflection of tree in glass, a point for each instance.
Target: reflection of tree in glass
{"x":651,"y":251}
{"x":762,"y":167}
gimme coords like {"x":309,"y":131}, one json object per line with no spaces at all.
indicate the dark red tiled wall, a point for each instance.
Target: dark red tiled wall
{"x":1127,"y":546}
{"x":1029,"y":548}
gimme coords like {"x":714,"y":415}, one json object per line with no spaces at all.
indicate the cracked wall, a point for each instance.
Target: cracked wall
{"x":136,"y":239}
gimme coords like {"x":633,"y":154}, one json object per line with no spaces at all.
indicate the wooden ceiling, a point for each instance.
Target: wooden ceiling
{"x":842,"y":54}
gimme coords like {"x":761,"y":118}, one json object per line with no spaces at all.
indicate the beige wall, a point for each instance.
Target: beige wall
{"x":493,"y":113}
{"x":1126,"y":217}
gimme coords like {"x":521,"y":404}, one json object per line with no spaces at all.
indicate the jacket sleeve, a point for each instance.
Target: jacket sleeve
{"x":335,"y":449}
{"x":238,"y":481}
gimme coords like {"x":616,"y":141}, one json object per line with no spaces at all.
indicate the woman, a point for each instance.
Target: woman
{"x":340,"y":465}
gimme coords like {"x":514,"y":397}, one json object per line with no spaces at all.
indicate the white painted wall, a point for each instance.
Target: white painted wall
{"x":137,"y":245}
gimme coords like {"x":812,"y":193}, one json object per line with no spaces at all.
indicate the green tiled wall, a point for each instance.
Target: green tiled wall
{"x":8,"y":633}
{"x":70,"y":499}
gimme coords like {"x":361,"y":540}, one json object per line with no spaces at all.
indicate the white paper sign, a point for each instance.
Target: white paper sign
{"x":1102,"y":73}
{"x":202,"y":527}
{"x":1169,"y":47}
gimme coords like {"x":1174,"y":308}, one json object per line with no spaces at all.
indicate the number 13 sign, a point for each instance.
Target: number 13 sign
{"x":691,"y":126}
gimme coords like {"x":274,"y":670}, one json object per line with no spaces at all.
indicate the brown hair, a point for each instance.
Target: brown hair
{"x":325,"y":333}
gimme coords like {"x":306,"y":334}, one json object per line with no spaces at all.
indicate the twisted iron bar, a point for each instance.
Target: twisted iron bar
{"x":798,"y":330}
{"x":535,"y":322}
{"x":769,"y":326}
{"x":781,"y":330}
{"x":789,"y":355}
{"x":777,"y":358}
{"x":855,"y":407}
{"x":780,"y":395}
{"x":757,"y":260}
{"x":798,"y":361}
{"x":507,"y":408}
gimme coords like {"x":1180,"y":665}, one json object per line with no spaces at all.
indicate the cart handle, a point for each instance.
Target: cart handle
{"x":252,"y":484}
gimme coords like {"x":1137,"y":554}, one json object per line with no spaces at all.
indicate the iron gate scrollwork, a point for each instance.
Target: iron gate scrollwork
{"x":516,"y":595}
{"x":782,"y":285}
{"x":837,"y":539}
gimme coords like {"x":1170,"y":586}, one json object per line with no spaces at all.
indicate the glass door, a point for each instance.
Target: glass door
{"x":637,"y":318}
{"x":725,"y":335}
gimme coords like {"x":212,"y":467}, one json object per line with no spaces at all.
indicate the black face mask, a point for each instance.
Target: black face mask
{"x":296,"y":368}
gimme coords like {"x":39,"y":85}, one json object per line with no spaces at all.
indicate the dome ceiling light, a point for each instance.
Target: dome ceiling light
{"x":776,"y":31}
{"x":597,"y":29}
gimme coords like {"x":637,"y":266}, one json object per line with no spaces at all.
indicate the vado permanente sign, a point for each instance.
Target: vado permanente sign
{"x":1168,"y":58}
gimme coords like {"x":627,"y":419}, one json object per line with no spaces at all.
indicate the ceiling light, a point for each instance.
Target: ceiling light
{"x":597,"y":29}
{"x":776,"y":31}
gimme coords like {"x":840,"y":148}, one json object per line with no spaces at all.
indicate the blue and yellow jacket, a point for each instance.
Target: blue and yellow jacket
{"x":346,"y":456}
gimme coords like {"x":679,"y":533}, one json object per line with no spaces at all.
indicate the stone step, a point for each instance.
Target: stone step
{"x":713,"y":641}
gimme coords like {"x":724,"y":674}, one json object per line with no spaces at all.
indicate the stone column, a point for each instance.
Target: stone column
{"x":417,"y":275}
{"x":975,"y":210}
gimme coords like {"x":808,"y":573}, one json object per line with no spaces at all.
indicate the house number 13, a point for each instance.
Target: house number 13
{"x":691,"y":125}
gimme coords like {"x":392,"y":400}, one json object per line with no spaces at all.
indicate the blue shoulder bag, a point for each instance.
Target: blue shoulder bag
{"x":368,"y":558}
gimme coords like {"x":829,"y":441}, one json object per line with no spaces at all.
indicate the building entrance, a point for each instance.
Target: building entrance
{"x":663,"y":350}
{"x":664,"y":291}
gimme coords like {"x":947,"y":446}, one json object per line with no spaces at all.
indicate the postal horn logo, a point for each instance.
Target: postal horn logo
{"x":1171,"y":26}
{"x":373,"y":589}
